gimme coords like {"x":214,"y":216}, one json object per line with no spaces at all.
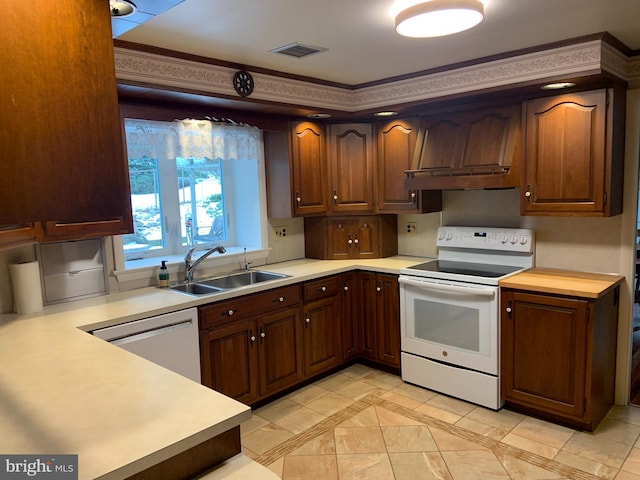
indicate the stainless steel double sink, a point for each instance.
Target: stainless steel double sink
{"x":226,"y":282}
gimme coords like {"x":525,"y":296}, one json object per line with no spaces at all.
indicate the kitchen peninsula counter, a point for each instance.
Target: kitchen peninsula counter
{"x":64,"y":391}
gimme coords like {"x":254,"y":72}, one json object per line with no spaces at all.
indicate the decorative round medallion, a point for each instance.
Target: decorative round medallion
{"x":243,"y":83}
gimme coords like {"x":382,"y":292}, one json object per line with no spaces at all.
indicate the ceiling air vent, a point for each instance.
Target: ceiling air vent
{"x":298,"y":50}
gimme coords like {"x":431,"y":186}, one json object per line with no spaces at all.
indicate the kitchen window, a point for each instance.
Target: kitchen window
{"x":193,"y":183}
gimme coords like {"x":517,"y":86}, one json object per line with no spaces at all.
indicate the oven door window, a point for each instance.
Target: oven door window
{"x":451,"y":323}
{"x":456,"y":326}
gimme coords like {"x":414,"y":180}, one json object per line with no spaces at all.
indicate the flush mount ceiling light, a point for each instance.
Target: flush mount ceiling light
{"x":122,"y":8}
{"x":557,"y":85}
{"x":436,"y":18}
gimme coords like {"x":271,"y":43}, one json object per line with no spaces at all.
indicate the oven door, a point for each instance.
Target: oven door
{"x":450,"y":322}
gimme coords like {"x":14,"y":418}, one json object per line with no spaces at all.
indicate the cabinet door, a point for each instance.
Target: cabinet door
{"x":365,"y":237}
{"x":229,"y":360}
{"x":544,"y":352}
{"x":396,"y":144}
{"x":368,"y":332}
{"x":321,"y":335}
{"x":60,"y":117}
{"x":280,"y":350}
{"x":351,"y":166}
{"x":340,"y":237}
{"x":350,"y":317}
{"x":565,"y":155}
{"x":309,"y":168}
{"x":388,"y":319}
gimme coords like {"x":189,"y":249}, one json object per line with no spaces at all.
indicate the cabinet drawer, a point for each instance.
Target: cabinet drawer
{"x":321,"y":288}
{"x":242,"y":307}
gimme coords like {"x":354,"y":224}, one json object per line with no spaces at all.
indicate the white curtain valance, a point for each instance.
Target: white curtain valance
{"x":191,"y":138}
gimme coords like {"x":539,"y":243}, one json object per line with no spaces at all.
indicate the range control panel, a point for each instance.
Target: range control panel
{"x":489,"y":238}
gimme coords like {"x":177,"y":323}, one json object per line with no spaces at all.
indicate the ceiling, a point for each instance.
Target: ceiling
{"x":360,"y":36}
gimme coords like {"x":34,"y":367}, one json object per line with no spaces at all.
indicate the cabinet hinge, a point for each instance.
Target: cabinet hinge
{"x":605,"y":198}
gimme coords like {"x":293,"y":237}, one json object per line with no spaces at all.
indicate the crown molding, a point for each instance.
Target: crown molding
{"x":570,"y":61}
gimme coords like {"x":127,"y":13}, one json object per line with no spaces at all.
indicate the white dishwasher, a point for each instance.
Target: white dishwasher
{"x":169,"y":340}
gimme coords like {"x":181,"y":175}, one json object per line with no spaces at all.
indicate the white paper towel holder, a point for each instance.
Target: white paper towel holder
{"x":27,"y":291}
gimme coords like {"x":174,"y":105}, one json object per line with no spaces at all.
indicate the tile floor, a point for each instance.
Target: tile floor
{"x":361,"y":423}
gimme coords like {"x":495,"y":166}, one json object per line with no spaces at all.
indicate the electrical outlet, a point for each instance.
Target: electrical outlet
{"x":281,"y":232}
{"x":411,"y":228}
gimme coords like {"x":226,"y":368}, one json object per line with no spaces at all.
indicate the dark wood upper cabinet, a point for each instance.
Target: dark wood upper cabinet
{"x":348,"y":237}
{"x":396,"y":143}
{"x":61,"y":122}
{"x":309,"y":168}
{"x":469,"y":149}
{"x":351,"y":166}
{"x":574,"y":154}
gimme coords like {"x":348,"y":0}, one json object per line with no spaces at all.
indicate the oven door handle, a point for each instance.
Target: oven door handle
{"x":489,"y":292}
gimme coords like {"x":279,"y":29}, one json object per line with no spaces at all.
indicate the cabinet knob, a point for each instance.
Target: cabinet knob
{"x":356,"y":241}
{"x":308,"y":320}
{"x":378,"y":289}
{"x":262,"y":334}
{"x":345,"y":288}
{"x":231,"y":312}
{"x":281,"y":299}
{"x":252,"y":338}
{"x":413,"y":196}
{"x":527,"y":194}
{"x":349,"y":242}
{"x":335,"y":196}
{"x":323,"y":289}
{"x":508,"y":309}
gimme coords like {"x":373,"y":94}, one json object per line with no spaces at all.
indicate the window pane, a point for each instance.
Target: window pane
{"x":145,"y":203}
{"x":201,"y":200}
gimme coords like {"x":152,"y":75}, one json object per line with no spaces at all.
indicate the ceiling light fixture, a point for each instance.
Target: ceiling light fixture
{"x":387,"y":113}
{"x":436,"y":18}
{"x":557,"y":85}
{"x":122,"y":8}
{"x":319,"y":115}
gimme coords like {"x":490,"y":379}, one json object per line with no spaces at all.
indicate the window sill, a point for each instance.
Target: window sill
{"x":233,"y":259}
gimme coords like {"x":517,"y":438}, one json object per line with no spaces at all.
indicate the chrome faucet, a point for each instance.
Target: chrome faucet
{"x":190,"y":265}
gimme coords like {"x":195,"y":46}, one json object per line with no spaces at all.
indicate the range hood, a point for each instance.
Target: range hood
{"x":467,"y":150}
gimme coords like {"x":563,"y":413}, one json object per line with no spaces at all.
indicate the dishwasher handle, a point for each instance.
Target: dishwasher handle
{"x":154,"y":332}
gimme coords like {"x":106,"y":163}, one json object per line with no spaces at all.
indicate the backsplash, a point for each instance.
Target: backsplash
{"x":575,"y":243}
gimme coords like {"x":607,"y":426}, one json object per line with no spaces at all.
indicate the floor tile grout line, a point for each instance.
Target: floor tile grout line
{"x":309,"y":434}
{"x":496,"y":446}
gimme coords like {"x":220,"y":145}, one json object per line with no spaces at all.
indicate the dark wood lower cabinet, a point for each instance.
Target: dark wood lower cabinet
{"x":257,"y":346}
{"x":558,"y":355}
{"x":279,"y":351}
{"x":350,"y":316}
{"x":229,"y":360}
{"x":258,"y":354}
{"x":322,"y":323}
{"x":380,"y":318}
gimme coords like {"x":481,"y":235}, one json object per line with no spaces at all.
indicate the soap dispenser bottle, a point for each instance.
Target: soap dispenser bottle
{"x":163,"y":276}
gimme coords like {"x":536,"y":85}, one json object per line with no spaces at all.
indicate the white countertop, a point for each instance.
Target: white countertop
{"x":64,"y":391}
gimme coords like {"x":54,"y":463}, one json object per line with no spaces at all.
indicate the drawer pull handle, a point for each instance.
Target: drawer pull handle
{"x":279,"y":300}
